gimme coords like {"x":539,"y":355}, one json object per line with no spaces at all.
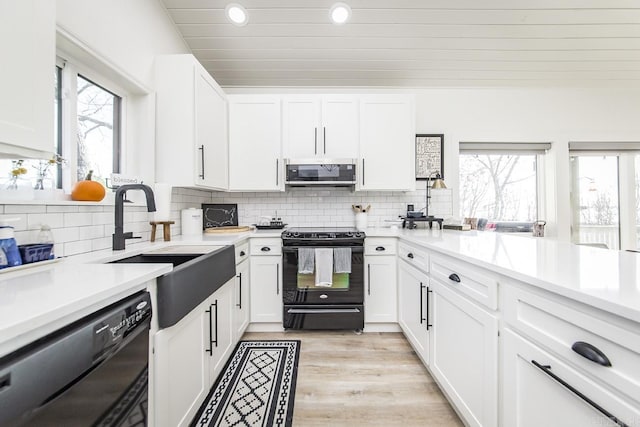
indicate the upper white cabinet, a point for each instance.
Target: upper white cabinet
{"x":324,"y":126}
{"x":191,"y":117}
{"x":387,"y":143}
{"x":255,"y":145}
{"x":27,"y":48}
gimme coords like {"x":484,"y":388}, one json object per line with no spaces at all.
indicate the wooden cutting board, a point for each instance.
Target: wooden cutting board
{"x":229,"y":229}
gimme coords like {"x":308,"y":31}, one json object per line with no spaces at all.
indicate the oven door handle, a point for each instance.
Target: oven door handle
{"x":354,"y":249}
{"x":322,"y":310}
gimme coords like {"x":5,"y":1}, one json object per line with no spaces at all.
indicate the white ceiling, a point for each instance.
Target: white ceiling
{"x":417,"y":43}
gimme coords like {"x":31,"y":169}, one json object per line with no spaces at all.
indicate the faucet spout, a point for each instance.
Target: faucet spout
{"x":119,"y":236}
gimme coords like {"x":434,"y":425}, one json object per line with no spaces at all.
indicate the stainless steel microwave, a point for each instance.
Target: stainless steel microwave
{"x":327,"y":172}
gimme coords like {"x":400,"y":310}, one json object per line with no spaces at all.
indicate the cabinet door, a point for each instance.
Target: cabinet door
{"x":210,"y":132}
{"x":340,"y":128}
{"x":534,"y":398}
{"x":241,"y":300}
{"x":464,"y":356}
{"x":387,"y":143}
{"x":413,"y":308}
{"x":27,"y":48}
{"x":221,"y":328}
{"x":255,"y":162}
{"x":266,"y":288}
{"x":301,"y":127}
{"x":380,"y":298}
{"x":181,"y":368}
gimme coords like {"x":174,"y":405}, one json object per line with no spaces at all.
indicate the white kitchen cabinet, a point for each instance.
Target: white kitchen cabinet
{"x":265,"y":272}
{"x":27,"y":48}
{"x":241,"y":311}
{"x":255,"y":143}
{"x":188,"y":356}
{"x":464,"y":354}
{"x":321,"y":126}
{"x":387,"y":143}
{"x":532,"y":397}
{"x":191,"y":125}
{"x":413,"y":308}
{"x":380,"y":298}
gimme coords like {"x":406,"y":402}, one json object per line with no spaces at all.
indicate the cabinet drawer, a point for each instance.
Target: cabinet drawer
{"x":242,"y":252}
{"x":379,"y":246}
{"x":419,"y":258}
{"x":473,"y":282}
{"x":266,"y":246}
{"x":558,"y":324}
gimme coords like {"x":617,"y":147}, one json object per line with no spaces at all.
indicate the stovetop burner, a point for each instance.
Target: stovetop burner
{"x":322,"y":233}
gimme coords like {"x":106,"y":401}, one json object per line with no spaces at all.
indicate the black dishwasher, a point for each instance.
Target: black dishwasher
{"x":90,"y":373}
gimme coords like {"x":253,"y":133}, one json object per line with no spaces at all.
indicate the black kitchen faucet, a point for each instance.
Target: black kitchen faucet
{"x":120,"y":236}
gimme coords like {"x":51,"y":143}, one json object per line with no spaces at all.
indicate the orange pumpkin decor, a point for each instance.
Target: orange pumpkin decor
{"x":87,"y":190}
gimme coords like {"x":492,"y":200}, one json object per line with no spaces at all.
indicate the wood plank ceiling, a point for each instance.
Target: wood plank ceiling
{"x":416,"y":43}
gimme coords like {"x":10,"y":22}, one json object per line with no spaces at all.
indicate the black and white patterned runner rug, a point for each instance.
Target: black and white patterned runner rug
{"x":256,"y":387}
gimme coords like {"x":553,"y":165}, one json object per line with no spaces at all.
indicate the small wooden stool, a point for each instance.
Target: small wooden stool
{"x":166,"y":229}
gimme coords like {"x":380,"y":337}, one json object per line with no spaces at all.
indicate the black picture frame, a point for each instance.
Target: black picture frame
{"x":219,"y":215}
{"x":429,"y":155}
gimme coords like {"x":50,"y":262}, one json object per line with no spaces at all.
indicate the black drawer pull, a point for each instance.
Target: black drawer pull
{"x":242,"y":253}
{"x":591,"y":352}
{"x":547,"y":370}
{"x":454,"y":277}
{"x":410,"y":255}
{"x":380,"y":248}
{"x":265,"y":249}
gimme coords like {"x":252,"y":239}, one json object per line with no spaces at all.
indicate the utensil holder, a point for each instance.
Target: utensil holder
{"x":361,"y":221}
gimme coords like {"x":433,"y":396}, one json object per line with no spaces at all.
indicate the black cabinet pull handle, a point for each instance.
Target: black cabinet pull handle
{"x":591,"y":352}
{"x":210,"y":349}
{"x":427,"y":319}
{"x":239,"y":304}
{"x":215,"y":304}
{"x":363,"y":172}
{"x":202,"y":160}
{"x":421,"y":307}
{"x":277,"y":171}
{"x":265,"y":249}
{"x":454,"y":277}
{"x":380,"y":248}
{"x":277,"y":279}
{"x":368,"y":279}
{"x":242,"y":253}
{"x":410,"y":255}
{"x":547,"y":370}
{"x":315,"y":140}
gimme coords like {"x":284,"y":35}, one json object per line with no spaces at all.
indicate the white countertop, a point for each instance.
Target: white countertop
{"x":39,"y":300}
{"x":606,"y":279}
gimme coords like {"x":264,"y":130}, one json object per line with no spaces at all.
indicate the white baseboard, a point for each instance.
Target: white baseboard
{"x":368,"y":327}
{"x":265,"y":327}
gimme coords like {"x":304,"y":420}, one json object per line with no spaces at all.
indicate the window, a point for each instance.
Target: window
{"x":98,"y":117}
{"x":499,"y":181}
{"x":95,"y":124}
{"x":605,"y":194}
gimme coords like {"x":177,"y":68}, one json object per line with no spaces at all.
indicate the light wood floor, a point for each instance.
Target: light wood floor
{"x":373,"y":379}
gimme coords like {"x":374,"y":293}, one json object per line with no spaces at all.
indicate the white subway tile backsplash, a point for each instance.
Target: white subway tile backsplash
{"x":62,"y":209}
{"x":77,"y":219}
{"x":91,"y":232}
{"x":24,"y":209}
{"x":53,"y":220}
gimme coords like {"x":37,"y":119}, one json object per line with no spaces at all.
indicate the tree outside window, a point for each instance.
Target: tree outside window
{"x":498,"y":187}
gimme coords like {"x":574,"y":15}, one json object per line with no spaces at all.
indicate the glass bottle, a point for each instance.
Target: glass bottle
{"x":46,"y":236}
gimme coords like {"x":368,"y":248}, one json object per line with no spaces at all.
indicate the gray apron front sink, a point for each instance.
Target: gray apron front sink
{"x":193,"y":279}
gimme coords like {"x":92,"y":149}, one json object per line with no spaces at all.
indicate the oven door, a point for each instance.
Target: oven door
{"x":346,"y":288}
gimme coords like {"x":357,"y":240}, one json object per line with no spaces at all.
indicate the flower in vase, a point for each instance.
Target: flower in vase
{"x":17,"y":169}
{"x":42,"y":169}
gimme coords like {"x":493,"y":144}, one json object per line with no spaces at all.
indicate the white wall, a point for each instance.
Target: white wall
{"x":130,"y":33}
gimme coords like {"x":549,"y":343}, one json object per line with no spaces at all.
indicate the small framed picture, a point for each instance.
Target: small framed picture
{"x":429,"y":156}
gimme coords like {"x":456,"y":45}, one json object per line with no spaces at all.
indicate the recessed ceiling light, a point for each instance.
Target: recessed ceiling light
{"x":340,"y":13}
{"x":236,"y":14}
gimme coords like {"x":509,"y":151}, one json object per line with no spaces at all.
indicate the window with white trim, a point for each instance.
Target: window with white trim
{"x":87,"y":134}
{"x":499,"y":181}
{"x":605,"y":194}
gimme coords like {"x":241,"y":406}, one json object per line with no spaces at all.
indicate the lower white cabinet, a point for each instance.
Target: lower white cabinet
{"x":533,"y":393}
{"x":266,"y":289}
{"x":187,"y":357}
{"x":464,"y":355}
{"x":413,"y":308}
{"x":241,"y":313}
{"x":380,"y":295}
